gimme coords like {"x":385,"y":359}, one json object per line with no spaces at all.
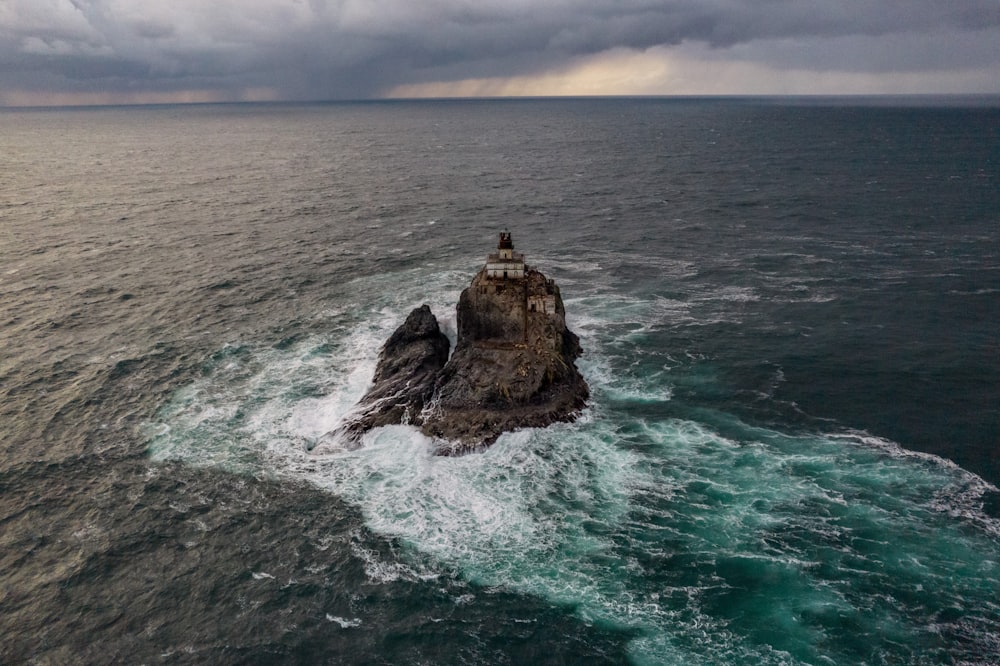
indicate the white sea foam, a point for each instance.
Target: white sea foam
{"x":343,"y":622}
{"x":730,"y":293}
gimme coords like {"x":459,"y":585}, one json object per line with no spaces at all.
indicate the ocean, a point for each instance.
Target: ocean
{"x":788,"y":309}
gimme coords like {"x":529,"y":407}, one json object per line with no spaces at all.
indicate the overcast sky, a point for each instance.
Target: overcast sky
{"x":115,"y":51}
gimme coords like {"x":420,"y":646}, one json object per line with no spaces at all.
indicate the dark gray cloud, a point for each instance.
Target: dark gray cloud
{"x":316,"y":49}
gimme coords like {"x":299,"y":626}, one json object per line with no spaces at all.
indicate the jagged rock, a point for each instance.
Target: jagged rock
{"x":513,"y":365}
{"x":405,"y":376}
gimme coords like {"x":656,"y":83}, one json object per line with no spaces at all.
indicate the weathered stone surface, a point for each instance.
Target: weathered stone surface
{"x":513,"y":365}
{"x":405,"y":376}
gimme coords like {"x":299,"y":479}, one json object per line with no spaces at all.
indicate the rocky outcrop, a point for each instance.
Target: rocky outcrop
{"x":513,"y":365}
{"x":405,"y":377}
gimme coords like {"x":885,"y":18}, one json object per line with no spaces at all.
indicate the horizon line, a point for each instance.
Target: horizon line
{"x":970,"y":96}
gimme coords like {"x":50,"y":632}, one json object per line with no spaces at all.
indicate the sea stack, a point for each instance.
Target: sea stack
{"x":513,"y":365}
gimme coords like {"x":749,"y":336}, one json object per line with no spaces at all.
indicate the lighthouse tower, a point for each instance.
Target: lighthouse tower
{"x":505,"y":264}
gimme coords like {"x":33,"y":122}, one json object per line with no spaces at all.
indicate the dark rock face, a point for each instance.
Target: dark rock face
{"x":513,"y":365}
{"x":405,"y":376}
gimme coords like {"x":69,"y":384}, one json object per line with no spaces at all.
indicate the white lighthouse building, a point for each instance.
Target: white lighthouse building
{"x":505,"y":264}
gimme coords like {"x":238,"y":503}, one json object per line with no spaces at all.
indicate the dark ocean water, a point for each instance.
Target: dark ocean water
{"x":789,"y":315}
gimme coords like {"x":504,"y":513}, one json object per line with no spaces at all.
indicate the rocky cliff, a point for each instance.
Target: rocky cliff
{"x":513,"y":364}
{"x":405,"y":377}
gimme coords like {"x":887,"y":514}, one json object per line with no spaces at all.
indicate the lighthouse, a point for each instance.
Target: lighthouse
{"x":505,"y":264}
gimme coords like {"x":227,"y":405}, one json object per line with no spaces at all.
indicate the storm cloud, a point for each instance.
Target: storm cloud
{"x":339,"y":49}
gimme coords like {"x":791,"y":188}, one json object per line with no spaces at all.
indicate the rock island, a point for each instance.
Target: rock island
{"x":513,"y":365}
